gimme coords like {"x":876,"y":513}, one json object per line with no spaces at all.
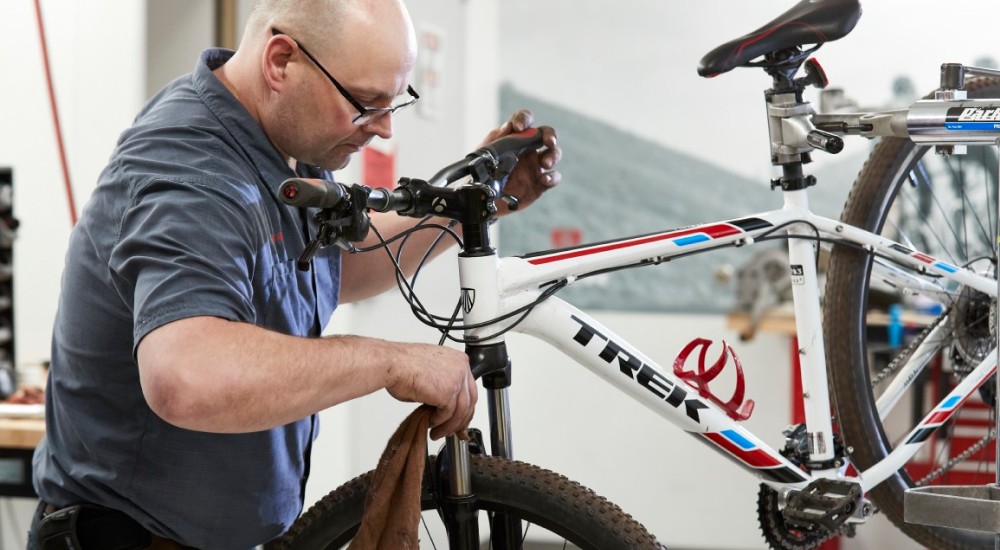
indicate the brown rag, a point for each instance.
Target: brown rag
{"x":392,"y":508}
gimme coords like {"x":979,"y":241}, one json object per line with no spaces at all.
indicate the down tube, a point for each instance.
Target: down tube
{"x":609,"y":356}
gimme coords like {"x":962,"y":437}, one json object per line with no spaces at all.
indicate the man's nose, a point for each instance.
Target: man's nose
{"x":381,"y":126}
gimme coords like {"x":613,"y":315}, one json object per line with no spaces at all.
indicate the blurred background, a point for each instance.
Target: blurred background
{"x":648,"y":145}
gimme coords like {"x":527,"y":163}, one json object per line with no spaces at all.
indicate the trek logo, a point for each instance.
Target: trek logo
{"x":635,"y":369}
{"x":468,"y":299}
{"x":977,"y":114}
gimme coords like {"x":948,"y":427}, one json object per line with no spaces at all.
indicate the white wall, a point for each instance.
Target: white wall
{"x":97,"y":61}
{"x":98,"y":67}
{"x":176,"y":32}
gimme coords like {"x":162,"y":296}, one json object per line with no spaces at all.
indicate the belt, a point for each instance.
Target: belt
{"x":99,"y":527}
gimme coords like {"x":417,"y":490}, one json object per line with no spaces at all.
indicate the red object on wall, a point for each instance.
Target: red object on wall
{"x":378,"y":169}
{"x":561,"y":237}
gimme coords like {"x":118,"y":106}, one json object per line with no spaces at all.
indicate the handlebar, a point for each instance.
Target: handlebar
{"x":316,"y":193}
{"x":343,"y":217}
{"x":480,"y":164}
{"x":530,"y":139}
{"x":510,"y":145}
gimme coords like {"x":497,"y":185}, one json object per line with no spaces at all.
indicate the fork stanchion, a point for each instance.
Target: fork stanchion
{"x":969,"y":507}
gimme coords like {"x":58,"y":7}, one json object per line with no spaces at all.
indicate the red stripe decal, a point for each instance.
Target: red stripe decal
{"x":715,"y":231}
{"x":939,"y":417}
{"x":923,"y":258}
{"x":755,"y":457}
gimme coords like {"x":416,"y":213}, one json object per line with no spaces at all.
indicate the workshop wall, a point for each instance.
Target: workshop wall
{"x":628,"y":64}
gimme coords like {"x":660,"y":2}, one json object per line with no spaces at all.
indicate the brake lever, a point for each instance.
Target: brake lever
{"x":313,"y":246}
{"x":341,"y":226}
{"x":502,"y":173}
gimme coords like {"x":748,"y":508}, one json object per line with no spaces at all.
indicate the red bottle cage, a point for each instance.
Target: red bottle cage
{"x":736,"y":408}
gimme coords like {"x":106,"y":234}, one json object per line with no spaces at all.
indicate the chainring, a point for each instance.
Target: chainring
{"x":779,"y":535}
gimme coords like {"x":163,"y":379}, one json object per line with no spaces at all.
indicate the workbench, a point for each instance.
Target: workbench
{"x":18,"y":439}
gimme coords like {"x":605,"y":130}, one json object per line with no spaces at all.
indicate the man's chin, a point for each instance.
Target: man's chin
{"x":336,"y":163}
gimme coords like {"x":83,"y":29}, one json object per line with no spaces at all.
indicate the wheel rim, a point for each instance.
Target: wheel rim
{"x":944,"y":207}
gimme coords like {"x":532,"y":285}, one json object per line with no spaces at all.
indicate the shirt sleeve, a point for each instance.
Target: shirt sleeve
{"x":186,"y":250}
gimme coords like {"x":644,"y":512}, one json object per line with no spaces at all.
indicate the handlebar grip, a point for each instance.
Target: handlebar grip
{"x":526,"y":140}
{"x":324,"y":194}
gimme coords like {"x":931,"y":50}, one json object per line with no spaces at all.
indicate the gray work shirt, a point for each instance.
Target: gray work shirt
{"x":184,"y":222}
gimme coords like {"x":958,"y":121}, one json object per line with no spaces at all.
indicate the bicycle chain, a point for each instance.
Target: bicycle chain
{"x":941,"y":470}
{"x":898,"y":361}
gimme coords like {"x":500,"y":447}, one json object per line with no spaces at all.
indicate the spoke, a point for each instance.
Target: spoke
{"x":924,"y":244}
{"x":988,"y":165}
{"x":966,"y":202}
{"x":926,"y":187}
{"x":428,"y":531}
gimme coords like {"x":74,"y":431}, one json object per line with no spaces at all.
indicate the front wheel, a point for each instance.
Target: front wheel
{"x":550,"y":507}
{"x":944,"y":207}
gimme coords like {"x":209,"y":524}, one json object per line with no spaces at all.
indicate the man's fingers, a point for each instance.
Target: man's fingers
{"x":449,"y":418}
{"x":521,"y":120}
{"x":552,"y":155}
{"x":458,"y":413}
{"x":440,"y":420}
{"x":473,"y":392}
{"x":551,"y":179}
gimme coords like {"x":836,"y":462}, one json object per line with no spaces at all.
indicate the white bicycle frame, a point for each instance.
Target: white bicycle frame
{"x":493,"y":287}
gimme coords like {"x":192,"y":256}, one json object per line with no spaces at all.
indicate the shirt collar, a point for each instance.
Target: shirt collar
{"x":238,"y":121}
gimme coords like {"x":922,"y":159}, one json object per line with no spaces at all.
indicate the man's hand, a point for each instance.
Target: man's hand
{"x":535,"y":172}
{"x":439,"y":377}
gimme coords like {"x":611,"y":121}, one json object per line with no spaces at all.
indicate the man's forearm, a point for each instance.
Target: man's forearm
{"x":209,"y":374}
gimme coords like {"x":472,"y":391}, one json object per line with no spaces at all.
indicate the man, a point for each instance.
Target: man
{"x":185,"y":369}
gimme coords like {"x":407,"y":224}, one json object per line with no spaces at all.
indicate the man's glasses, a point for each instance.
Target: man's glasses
{"x":366,"y":115}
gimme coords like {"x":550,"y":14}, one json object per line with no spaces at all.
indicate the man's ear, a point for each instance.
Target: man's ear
{"x":278,"y":53}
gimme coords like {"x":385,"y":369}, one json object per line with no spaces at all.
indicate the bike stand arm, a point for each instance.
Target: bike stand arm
{"x":970,"y":507}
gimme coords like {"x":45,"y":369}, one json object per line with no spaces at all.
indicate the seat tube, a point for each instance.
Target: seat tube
{"x":811,"y":351}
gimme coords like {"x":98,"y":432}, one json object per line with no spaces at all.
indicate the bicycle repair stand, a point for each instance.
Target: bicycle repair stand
{"x":969,"y":507}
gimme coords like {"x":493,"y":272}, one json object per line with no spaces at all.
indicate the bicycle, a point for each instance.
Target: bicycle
{"x":830,"y":476}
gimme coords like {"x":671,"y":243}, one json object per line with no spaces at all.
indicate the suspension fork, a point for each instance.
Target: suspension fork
{"x":488,"y":359}
{"x":455,"y":498}
{"x":458,"y":500}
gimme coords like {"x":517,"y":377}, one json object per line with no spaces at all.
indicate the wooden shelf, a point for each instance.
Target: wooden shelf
{"x":782,"y":320}
{"x":21,"y":433}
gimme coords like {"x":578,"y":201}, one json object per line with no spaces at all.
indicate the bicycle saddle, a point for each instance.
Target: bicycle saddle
{"x":808,"y":22}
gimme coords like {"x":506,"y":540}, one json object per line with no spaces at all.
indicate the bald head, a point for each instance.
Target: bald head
{"x":367,"y":46}
{"x":328,"y":22}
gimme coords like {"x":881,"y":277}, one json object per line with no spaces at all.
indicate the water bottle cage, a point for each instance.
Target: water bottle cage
{"x":736,"y":408}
